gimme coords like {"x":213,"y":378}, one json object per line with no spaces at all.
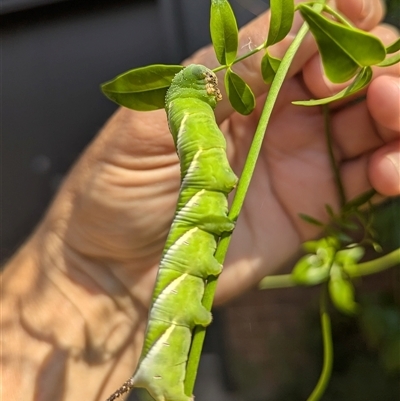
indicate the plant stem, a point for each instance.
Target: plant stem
{"x":277,"y":281}
{"x":199,"y":332}
{"x":374,"y":266}
{"x":338,"y":16}
{"x":250,"y":53}
{"x":362,"y":269}
{"x":328,"y":350}
{"x":334,"y":166}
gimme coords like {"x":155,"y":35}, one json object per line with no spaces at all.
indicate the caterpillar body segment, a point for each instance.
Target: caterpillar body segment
{"x":188,"y":257}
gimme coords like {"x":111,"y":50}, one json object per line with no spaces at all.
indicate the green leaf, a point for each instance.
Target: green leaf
{"x":311,"y":246}
{"x":390,"y":61}
{"x":344,"y":237}
{"x":359,"y":200}
{"x":343,"y":49}
{"x":269,"y":66}
{"x":310,"y":270}
{"x":323,"y":243}
{"x":311,"y":220}
{"x":314,"y":268}
{"x":327,"y":247}
{"x":341,"y":291}
{"x":349,"y":225}
{"x":361,"y":81}
{"x":330,"y":211}
{"x":377,"y":247}
{"x":143,"y":88}
{"x":282,"y":13}
{"x":349,"y":256}
{"x":224,"y":31}
{"x":239,"y":93}
{"x":394,"y":47}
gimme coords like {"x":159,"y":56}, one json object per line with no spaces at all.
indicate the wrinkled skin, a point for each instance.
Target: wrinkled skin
{"x":76,"y":295}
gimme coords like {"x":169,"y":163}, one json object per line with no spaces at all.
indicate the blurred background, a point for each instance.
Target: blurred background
{"x":266,"y":344}
{"x":55,"y":55}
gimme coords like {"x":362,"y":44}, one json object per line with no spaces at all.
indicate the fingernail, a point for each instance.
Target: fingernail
{"x":393,"y":167}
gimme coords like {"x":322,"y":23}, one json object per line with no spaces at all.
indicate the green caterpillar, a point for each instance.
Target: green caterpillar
{"x":188,"y":256}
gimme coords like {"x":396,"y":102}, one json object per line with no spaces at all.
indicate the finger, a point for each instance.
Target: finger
{"x":354,"y":174}
{"x":354,"y":132}
{"x":255,"y":33}
{"x":384,"y":169}
{"x":320,"y":86}
{"x":368,"y":125}
{"x":381,"y":170}
{"x":365,"y":14}
{"x":383,"y":100}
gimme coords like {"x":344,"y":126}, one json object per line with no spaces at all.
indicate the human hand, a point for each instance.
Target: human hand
{"x":124,"y":202}
{"x":101,"y":241}
{"x":294,"y":174}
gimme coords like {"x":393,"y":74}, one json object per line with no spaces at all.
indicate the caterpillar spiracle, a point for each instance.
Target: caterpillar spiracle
{"x":188,"y":256}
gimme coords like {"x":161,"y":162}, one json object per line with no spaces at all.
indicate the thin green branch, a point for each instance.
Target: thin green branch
{"x":375,"y":266}
{"x":199,"y":332}
{"x":256,"y":50}
{"x":337,"y":15}
{"x":362,"y":269}
{"x":241,"y":58}
{"x":328,"y":350}
{"x":332,"y":161}
{"x":277,"y":281}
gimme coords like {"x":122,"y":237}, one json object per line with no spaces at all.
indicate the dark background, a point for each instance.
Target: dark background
{"x":55,"y":54}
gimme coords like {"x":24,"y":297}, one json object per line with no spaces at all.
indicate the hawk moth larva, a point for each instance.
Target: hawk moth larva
{"x":188,"y":256}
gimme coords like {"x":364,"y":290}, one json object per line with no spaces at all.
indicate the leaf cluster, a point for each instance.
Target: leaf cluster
{"x":339,"y":249}
{"x":347,"y":54}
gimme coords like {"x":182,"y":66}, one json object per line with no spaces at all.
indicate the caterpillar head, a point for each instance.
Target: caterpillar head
{"x":195,"y":81}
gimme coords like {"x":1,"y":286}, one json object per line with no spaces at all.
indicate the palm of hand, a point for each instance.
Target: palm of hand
{"x":126,"y":197}
{"x":293,"y":176}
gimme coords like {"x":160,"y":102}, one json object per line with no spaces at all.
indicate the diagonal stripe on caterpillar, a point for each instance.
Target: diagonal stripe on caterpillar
{"x":188,"y":256}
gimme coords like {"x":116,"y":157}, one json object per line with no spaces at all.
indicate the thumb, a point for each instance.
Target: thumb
{"x":383,"y":104}
{"x":256,"y":32}
{"x":384,"y":169}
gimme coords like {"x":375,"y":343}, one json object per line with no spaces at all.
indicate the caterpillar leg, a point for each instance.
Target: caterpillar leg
{"x":128,"y":386}
{"x":207,"y":210}
{"x":162,"y":369}
{"x":216,"y":224}
{"x":174,"y":288}
{"x":125,"y":388}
